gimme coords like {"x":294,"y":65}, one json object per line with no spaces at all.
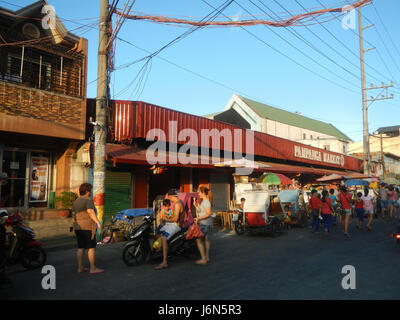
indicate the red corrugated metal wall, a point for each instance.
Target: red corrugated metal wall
{"x":148,"y":116}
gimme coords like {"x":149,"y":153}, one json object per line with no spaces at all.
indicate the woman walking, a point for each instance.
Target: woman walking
{"x":392,"y":198}
{"x":345,"y":199}
{"x":205,"y":221}
{"x":327,"y":211}
{"x":368,"y":207}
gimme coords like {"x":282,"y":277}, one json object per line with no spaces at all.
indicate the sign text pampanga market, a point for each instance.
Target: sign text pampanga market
{"x":316,"y":155}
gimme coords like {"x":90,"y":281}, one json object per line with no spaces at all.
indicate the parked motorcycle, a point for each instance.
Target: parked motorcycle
{"x":140,"y":248}
{"x":397,"y":234}
{"x":21,"y":246}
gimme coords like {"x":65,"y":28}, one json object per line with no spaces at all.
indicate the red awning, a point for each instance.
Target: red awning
{"x":287,"y":168}
{"x":119,"y":153}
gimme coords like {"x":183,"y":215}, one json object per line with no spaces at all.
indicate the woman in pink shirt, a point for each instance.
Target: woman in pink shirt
{"x":368,"y":207}
{"x":392,"y":198}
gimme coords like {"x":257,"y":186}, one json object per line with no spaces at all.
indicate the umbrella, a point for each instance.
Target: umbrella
{"x":391,"y":181}
{"x":356,"y":182}
{"x":274,"y":179}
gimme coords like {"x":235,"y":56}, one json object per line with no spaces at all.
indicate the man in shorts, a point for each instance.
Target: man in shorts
{"x":85,"y":222}
{"x":383,"y":199}
{"x":171,"y":226}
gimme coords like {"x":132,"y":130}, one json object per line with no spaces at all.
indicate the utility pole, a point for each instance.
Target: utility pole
{"x":101,"y":113}
{"x":382,"y":158}
{"x":366,"y":147}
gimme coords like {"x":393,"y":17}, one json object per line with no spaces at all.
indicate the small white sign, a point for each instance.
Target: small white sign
{"x":14,"y":165}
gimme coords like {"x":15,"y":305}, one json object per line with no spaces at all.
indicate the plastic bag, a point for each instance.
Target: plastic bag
{"x":194,"y":232}
{"x":157,"y":245}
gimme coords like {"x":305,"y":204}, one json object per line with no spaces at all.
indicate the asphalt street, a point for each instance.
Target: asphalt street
{"x":296,"y":265}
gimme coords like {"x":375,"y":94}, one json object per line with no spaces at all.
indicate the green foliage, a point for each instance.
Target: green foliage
{"x":66,"y":200}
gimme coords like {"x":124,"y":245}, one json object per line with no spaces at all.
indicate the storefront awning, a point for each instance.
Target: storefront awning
{"x":118,"y":153}
{"x":287,"y":168}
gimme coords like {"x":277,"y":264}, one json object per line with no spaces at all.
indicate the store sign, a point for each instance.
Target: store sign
{"x":38,"y":179}
{"x":316,"y":155}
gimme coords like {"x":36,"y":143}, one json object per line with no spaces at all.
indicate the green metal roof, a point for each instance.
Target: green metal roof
{"x":293,"y":119}
{"x":212,"y":115}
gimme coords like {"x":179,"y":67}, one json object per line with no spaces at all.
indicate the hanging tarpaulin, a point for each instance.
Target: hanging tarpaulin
{"x":39,"y":179}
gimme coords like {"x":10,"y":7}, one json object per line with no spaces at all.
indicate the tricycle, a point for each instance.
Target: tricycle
{"x":257,"y":215}
{"x":293,"y":208}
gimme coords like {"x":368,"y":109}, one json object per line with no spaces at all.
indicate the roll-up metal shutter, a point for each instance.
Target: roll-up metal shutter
{"x":219,"y":185}
{"x":118,"y":193}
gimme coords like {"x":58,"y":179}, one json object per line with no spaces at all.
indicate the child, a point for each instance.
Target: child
{"x":359,"y":203}
{"x":333,"y":197}
{"x":166,"y":212}
{"x":241,"y":206}
{"x":287,"y":216}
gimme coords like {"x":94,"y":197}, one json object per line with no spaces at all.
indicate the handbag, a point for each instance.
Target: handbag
{"x":194,"y":232}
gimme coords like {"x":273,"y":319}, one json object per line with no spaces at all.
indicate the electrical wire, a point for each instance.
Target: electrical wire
{"x":358,"y":57}
{"x":148,"y":58}
{"x":299,"y":19}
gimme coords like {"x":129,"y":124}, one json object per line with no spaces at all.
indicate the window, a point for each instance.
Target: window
{"x":310,"y":137}
{"x":304,"y":136}
{"x":35,"y":73}
{"x":326,"y":147}
{"x":344,"y":148}
{"x":42,"y":70}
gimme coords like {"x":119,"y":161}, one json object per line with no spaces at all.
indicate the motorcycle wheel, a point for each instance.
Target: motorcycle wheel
{"x":33,"y":258}
{"x":239,"y":229}
{"x":134,"y":255}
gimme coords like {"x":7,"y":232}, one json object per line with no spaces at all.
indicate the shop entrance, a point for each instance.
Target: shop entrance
{"x":13,"y":192}
{"x":159,"y":184}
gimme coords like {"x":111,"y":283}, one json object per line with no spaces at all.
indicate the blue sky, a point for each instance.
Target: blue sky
{"x":210,"y":65}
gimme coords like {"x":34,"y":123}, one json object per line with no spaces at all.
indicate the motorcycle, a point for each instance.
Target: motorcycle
{"x":141,"y":246}
{"x":21,"y":246}
{"x":397,"y":234}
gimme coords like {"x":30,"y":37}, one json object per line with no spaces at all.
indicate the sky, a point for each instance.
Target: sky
{"x":312,"y":69}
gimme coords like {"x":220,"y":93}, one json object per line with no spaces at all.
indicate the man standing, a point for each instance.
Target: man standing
{"x":383,"y":199}
{"x":85,"y":222}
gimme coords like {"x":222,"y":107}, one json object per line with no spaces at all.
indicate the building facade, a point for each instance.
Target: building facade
{"x":133,"y":179}
{"x":260,"y":117}
{"x":42,"y":108}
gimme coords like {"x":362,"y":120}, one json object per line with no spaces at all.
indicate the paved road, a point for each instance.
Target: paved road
{"x":296,"y":265}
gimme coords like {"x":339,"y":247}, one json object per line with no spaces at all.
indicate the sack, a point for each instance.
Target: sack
{"x":194,"y":232}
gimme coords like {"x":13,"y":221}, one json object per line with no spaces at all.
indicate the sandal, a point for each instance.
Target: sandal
{"x":84,"y":270}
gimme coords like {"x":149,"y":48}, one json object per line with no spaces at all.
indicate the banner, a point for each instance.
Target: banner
{"x":39,"y":179}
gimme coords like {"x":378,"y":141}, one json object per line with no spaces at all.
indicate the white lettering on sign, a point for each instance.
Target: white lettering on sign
{"x":310,"y":154}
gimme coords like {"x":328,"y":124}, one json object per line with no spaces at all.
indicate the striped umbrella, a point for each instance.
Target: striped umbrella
{"x":274,"y":179}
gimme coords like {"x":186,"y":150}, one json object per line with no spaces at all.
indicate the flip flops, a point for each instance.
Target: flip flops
{"x":84,"y":270}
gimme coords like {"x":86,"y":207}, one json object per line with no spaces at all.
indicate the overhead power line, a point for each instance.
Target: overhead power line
{"x":297,"y":20}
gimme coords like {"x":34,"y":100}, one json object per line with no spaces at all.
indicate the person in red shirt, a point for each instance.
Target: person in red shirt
{"x":345,"y":199}
{"x":327,"y":211}
{"x":359,"y":210}
{"x":316,"y":206}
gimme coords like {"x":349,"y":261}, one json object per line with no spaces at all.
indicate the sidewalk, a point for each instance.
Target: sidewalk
{"x":58,"y":243}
